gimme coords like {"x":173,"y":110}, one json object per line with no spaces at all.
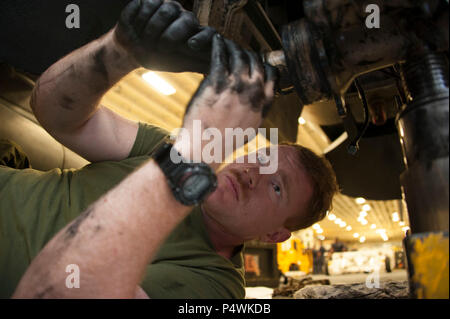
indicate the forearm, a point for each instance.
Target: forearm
{"x":112,"y":242}
{"x":69,"y":92}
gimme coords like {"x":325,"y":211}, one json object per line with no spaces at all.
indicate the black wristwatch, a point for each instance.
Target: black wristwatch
{"x":190,"y":182}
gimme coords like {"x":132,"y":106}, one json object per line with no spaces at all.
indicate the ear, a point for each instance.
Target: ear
{"x":278,"y":236}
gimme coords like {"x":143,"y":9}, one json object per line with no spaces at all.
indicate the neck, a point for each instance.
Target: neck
{"x":223,"y":242}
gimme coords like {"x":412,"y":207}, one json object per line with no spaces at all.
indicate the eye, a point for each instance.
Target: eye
{"x":277,"y":189}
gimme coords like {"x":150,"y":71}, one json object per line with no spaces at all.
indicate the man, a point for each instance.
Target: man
{"x":338,"y":246}
{"x":130,"y":220}
{"x":321,"y":259}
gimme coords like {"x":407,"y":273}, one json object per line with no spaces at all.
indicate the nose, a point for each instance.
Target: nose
{"x":250,"y":178}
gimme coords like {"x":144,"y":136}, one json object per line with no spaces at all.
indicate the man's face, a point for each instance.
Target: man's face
{"x":250,"y":205}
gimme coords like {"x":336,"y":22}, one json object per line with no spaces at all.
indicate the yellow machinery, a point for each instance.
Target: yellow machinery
{"x":292,"y":255}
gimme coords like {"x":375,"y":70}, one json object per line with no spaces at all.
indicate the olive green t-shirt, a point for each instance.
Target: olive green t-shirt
{"x":35,"y":205}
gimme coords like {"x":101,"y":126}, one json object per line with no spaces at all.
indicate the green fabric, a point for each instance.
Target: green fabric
{"x":35,"y":205}
{"x":188,"y":267}
{"x":12,"y":155}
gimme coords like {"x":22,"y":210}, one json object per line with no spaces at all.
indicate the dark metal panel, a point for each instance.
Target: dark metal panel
{"x":373,"y":173}
{"x":33,"y":34}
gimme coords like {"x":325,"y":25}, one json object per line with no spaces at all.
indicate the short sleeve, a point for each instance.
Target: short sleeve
{"x":148,"y":136}
{"x":167,"y":280}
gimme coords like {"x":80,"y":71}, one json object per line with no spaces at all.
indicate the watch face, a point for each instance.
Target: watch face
{"x":195,"y":186}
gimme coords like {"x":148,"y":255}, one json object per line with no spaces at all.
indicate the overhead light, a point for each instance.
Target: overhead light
{"x":331,"y":216}
{"x":316,"y":226}
{"x":401,"y":223}
{"x":321,"y":237}
{"x":356,"y":235}
{"x":395,"y":217}
{"x":384,"y":236}
{"x":362,"y":220}
{"x":158,"y":83}
{"x":342,"y":224}
{"x":349,"y":228}
{"x":406,"y":228}
{"x":319,"y":231}
{"x":380,"y":231}
{"x":362,"y":239}
{"x":366,"y":207}
{"x":301,"y":120}
{"x":373,"y":226}
{"x":362,"y":214}
{"x":338,"y":221}
{"x":360,"y":200}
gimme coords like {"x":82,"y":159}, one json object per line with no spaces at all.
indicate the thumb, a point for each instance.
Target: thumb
{"x":203,"y":39}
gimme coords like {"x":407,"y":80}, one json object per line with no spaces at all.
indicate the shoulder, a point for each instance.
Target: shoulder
{"x":147,"y":138}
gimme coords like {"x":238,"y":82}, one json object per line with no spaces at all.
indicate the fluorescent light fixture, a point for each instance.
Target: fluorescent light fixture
{"x":395,"y":217}
{"x":158,"y":83}
{"x":362,"y":239}
{"x":349,"y":228}
{"x":366,"y":207}
{"x":332,"y":217}
{"x":356,"y":235}
{"x":360,"y":200}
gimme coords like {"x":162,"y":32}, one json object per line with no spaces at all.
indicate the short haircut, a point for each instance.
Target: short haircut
{"x":324,"y":184}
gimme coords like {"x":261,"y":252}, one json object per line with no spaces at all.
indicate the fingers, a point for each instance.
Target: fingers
{"x":147,"y":9}
{"x":167,"y":13}
{"x":177,"y":34}
{"x":246,"y":68}
{"x":256,"y":66}
{"x":271,"y":76}
{"x":219,"y":62}
{"x":239,"y":60}
{"x":203,"y":39}
{"x":270,"y":72}
{"x":129,"y":13}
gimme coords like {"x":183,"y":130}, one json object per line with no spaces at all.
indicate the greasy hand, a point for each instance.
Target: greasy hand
{"x":161,"y":35}
{"x":237,"y":93}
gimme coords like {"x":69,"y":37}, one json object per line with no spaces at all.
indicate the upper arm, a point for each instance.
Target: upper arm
{"x":104,"y":136}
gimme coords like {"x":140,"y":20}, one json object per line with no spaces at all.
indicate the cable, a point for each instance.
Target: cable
{"x":354,"y":144}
